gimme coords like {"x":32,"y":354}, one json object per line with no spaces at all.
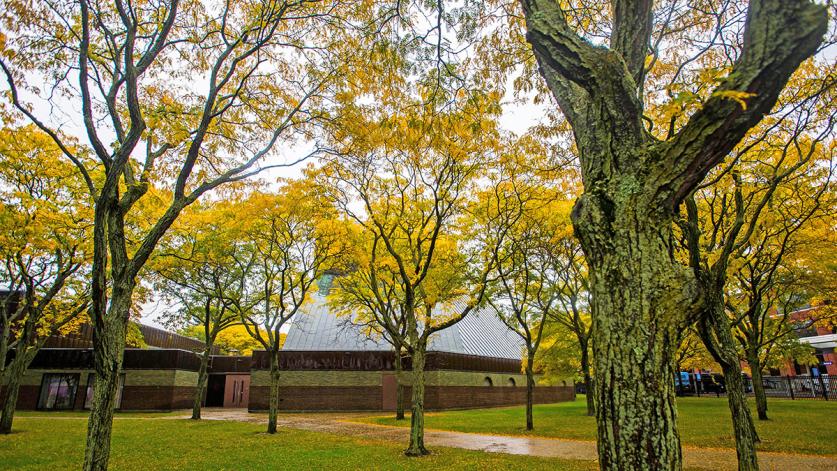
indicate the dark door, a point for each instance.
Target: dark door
{"x":215,"y":390}
{"x":389,"y":389}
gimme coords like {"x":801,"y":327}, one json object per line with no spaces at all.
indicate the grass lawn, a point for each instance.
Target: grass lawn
{"x":57,"y":443}
{"x":804,"y":426}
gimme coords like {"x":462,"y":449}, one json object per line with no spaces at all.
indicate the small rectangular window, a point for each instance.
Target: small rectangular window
{"x":91,"y":381}
{"x":58,"y":391}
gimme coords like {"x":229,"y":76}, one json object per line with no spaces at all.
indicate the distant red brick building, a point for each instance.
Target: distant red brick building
{"x":819,"y":335}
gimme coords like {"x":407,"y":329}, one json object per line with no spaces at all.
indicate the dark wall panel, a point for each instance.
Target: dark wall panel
{"x":230,"y":364}
{"x":297,"y":360}
{"x":152,"y":336}
{"x":135,"y":359}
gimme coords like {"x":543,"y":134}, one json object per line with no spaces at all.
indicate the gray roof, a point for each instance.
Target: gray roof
{"x":480,"y":333}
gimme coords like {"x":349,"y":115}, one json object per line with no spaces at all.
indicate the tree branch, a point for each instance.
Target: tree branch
{"x":779,"y":35}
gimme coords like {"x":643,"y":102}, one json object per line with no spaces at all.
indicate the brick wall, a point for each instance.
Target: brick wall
{"x":370,"y":398}
{"x":361,"y":389}
{"x":373,"y":378}
{"x":307,"y":398}
{"x":466,"y":397}
{"x":143,"y":389}
{"x":157,"y":397}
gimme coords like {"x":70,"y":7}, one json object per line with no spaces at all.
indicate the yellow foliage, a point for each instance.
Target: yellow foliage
{"x":734,"y":95}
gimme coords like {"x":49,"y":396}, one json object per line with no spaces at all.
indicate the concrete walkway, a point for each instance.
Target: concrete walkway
{"x":341,"y":423}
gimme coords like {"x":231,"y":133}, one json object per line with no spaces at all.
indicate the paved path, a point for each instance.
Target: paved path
{"x":694,"y":458}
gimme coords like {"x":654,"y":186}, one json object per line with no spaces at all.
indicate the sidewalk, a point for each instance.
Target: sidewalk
{"x":341,"y":423}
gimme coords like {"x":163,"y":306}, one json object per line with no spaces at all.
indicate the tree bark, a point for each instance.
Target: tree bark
{"x":200,"y":393}
{"x":717,"y":335}
{"x":416,"y":447}
{"x":742,"y":422}
{"x":588,"y":379}
{"x":399,"y":393}
{"x":12,"y":388}
{"x":530,"y":391}
{"x":640,"y":295}
{"x":758,"y":385}
{"x":273,"y":408}
{"x":108,"y":351}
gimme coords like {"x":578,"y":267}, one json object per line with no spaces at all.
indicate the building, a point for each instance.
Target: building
{"x":161,"y":376}
{"x":821,"y":336}
{"x":327,"y":364}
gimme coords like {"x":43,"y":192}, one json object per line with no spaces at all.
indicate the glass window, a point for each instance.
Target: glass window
{"x":58,"y":391}
{"x":91,"y":381}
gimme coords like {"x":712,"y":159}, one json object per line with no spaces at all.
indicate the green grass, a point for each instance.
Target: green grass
{"x":56,"y":442}
{"x":805,"y":426}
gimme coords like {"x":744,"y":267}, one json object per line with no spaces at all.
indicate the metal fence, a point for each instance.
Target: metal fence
{"x":823,"y":387}
{"x":799,"y":387}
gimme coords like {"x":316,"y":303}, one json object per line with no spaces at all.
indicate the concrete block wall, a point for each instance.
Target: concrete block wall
{"x":363,"y":390}
{"x":158,"y":389}
{"x":142,"y":390}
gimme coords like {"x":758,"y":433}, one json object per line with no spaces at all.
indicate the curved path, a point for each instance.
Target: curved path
{"x":341,"y":423}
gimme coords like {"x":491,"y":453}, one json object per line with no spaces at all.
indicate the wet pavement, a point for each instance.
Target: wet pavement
{"x":342,"y":423}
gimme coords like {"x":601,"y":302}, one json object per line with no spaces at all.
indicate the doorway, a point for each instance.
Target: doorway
{"x":388,"y":390}
{"x":237,"y":391}
{"x":215,"y":390}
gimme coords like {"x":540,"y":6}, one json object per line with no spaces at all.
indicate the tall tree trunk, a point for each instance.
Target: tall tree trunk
{"x":588,"y":379}
{"x":399,"y":392}
{"x":530,"y":391}
{"x":634,"y":184}
{"x":416,"y":447}
{"x":273,"y":408}
{"x":717,"y":336}
{"x":640,"y":298}
{"x":742,"y":422}
{"x":200,"y":393}
{"x":13,"y":375}
{"x":108,"y":351}
{"x":758,"y":385}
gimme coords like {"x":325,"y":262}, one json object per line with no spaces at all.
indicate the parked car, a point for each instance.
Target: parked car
{"x":712,"y":383}
{"x":716,"y":383}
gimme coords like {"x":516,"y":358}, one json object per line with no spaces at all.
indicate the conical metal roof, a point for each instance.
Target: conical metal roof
{"x":480,"y":333}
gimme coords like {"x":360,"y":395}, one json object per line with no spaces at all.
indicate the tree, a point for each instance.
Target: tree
{"x":634,"y":182}
{"x":234,"y":340}
{"x":196,"y":271}
{"x":368,"y":298}
{"x":43,"y":253}
{"x":293,"y":239}
{"x":724,"y":228}
{"x":516,"y":308}
{"x":520,"y":287}
{"x":692,"y":353}
{"x":405,"y":178}
{"x":766,"y":288}
{"x":146,"y":121}
{"x":558,"y":358}
{"x":567,"y":297}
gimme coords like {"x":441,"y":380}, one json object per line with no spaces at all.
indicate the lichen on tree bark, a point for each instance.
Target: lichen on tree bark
{"x":634,"y":184}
